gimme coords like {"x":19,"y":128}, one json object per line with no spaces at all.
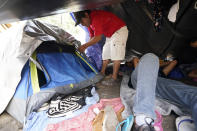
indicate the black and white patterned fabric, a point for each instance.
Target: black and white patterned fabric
{"x":61,"y":105}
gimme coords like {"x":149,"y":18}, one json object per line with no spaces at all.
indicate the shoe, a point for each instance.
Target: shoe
{"x":145,"y":127}
{"x":185,"y":123}
{"x":56,"y":98}
{"x":126,"y":124}
{"x":65,"y":107}
{"x":109,"y":82}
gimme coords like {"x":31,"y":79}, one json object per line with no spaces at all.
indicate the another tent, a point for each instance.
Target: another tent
{"x":56,"y":60}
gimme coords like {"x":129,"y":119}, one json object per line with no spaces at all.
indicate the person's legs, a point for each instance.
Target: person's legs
{"x":185,"y":96}
{"x":118,"y":46}
{"x":106,"y":55}
{"x":144,"y":79}
{"x":104,"y":66}
{"x":116,"y":67}
{"x":117,"y":43}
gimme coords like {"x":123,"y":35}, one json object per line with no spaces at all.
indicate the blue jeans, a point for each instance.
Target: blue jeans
{"x":148,"y":85}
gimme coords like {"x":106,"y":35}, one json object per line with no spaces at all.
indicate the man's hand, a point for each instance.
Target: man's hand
{"x":135,"y":61}
{"x":82,"y":48}
{"x":93,"y":41}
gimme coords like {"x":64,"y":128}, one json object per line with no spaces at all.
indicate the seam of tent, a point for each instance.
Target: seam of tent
{"x":34,"y":75}
{"x":86,"y":62}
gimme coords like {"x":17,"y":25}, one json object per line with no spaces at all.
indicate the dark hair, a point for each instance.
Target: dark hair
{"x":79,"y":15}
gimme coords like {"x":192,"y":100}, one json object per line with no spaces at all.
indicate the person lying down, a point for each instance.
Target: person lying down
{"x":149,"y":85}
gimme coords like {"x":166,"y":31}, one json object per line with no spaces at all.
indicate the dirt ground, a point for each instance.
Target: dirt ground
{"x":8,"y":123}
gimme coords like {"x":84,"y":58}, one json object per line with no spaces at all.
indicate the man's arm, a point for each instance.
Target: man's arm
{"x":135,"y":61}
{"x":194,"y":44}
{"x":92,"y":41}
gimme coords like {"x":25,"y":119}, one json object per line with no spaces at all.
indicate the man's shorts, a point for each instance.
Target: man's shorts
{"x":115,"y":46}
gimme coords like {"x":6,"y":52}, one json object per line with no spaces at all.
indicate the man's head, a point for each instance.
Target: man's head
{"x":83,"y":18}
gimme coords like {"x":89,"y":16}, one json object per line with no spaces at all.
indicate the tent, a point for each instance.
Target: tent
{"x":49,"y":68}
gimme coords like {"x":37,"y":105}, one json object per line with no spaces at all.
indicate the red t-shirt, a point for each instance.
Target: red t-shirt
{"x":103,"y":22}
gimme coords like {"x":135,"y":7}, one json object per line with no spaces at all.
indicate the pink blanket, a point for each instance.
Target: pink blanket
{"x":83,"y":122}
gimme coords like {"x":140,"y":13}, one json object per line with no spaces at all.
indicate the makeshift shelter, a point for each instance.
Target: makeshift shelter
{"x":138,"y":15}
{"x":52,"y":68}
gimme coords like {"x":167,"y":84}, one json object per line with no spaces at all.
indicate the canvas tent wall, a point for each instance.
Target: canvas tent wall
{"x":16,"y":48}
{"x":64,"y":72}
{"x":31,"y":37}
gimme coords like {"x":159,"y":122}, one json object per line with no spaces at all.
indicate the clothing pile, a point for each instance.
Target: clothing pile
{"x":77,"y":111}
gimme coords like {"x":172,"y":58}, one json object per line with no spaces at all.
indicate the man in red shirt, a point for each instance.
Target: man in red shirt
{"x":114,"y":29}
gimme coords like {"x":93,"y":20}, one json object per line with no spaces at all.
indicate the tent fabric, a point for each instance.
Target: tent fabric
{"x":34,"y":75}
{"x":67,"y":74}
{"x":16,"y":48}
{"x":94,"y":52}
{"x":18,"y":45}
